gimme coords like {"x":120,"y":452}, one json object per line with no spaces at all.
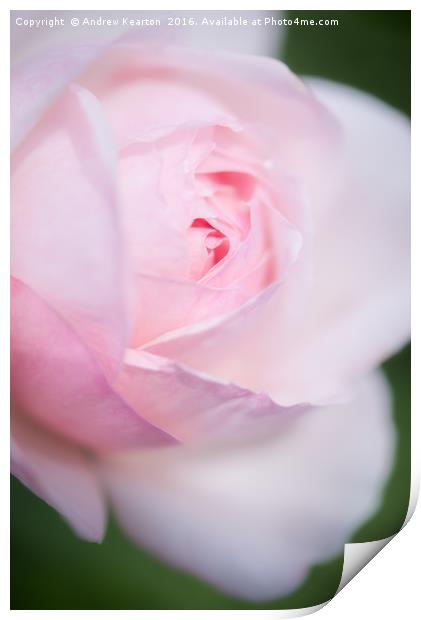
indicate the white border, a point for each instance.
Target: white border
{"x":389,"y":584}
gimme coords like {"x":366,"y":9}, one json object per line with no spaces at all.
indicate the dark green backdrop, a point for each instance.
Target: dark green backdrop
{"x":51,"y":569}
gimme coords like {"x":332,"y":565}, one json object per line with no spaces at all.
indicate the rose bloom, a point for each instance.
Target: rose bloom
{"x":209,"y":261}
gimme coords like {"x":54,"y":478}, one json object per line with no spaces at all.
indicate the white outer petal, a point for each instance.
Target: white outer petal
{"x":244,"y":39}
{"x":252,"y":517}
{"x":261,"y":40}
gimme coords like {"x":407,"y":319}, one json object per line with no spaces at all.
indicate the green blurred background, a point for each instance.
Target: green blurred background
{"x":52,"y":569}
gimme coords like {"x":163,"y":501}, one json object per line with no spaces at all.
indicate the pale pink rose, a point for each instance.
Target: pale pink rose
{"x":209,"y":259}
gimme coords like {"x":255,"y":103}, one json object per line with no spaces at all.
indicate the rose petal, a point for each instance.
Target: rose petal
{"x":246,"y":39}
{"x":189,"y":405}
{"x":357,"y":312}
{"x":193,"y":302}
{"x":65,"y":234}
{"x":190,"y":85}
{"x":61,"y":474}
{"x":209,"y":31}
{"x":252,"y":517}
{"x":36,"y":82}
{"x":57,"y":382}
{"x":128,"y":88}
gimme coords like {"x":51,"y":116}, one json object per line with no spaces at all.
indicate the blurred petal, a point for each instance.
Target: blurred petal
{"x":263,"y":40}
{"x":65,"y":241}
{"x":60,"y":474}
{"x":58,"y":383}
{"x":189,"y":405}
{"x":38,"y":80}
{"x":357,"y":313}
{"x":251,"y":517}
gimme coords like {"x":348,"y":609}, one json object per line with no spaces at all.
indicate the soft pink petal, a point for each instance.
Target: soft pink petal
{"x":192,"y":302}
{"x":57,"y":382}
{"x":37,"y":81}
{"x":188,"y":405}
{"x":357,"y":311}
{"x":61,"y":474}
{"x":187,"y":84}
{"x":128,"y":86}
{"x":251,"y":517}
{"x":234,"y":347}
{"x":66,"y":242}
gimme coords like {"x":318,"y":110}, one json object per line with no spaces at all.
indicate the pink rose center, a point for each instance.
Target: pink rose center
{"x":215,"y":243}
{"x":201,"y":227}
{"x":215,"y":238}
